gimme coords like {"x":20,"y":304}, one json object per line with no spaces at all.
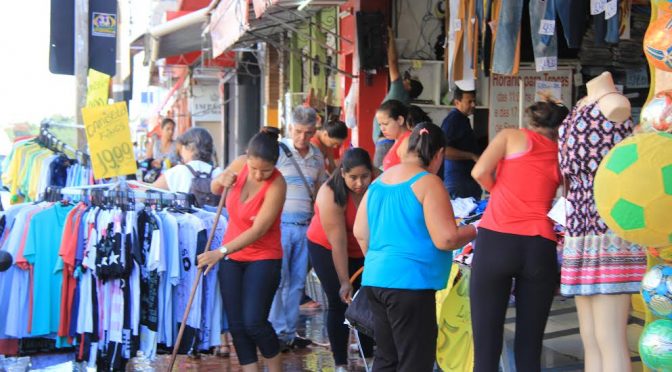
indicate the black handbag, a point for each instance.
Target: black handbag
{"x":359,"y":313}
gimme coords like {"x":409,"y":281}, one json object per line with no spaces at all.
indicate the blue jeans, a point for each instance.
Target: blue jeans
{"x":506,"y":41}
{"x":285,"y":310}
{"x":545,"y":46}
{"x":247,"y":290}
{"x":607,"y":30}
{"x":573,"y":15}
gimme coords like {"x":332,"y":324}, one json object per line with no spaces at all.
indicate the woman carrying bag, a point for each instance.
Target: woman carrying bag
{"x":406,"y":228}
{"x":333,"y":249}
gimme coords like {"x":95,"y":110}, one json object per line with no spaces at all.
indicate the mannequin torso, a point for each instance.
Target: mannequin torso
{"x":614,"y":106}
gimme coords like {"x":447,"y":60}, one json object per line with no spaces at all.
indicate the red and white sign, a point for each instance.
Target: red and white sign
{"x":505,"y":95}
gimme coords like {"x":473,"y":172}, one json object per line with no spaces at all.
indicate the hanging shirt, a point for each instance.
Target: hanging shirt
{"x":43,"y":255}
{"x":210,"y":292}
{"x":149,"y":284}
{"x":169,"y":278}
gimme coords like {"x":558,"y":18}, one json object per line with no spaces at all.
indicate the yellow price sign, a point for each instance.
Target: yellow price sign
{"x":109,"y":137}
{"x":98,"y":89}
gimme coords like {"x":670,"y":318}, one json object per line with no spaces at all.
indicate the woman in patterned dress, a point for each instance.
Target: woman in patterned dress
{"x":598,"y":267}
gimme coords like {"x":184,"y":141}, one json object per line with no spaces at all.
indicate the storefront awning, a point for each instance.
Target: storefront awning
{"x":235,"y":24}
{"x":181,"y":34}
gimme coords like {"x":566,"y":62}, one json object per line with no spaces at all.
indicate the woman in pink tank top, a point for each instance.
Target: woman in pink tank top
{"x":516,"y":239}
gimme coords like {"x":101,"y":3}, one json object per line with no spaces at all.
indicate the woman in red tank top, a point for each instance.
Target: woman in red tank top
{"x":391,"y":116}
{"x":516,"y":239}
{"x":250,"y":272}
{"x":334,"y":251}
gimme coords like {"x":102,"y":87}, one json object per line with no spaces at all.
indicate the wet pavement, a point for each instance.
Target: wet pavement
{"x":562,"y":349}
{"x":316,"y":357}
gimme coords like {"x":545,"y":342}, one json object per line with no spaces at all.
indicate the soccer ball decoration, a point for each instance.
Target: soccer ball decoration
{"x":658,"y":43}
{"x":655,"y":345}
{"x":657,"y":290}
{"x":657,"y":113}
{"x":633,"y":189}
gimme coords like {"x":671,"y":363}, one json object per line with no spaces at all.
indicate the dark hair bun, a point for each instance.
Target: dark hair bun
{"x":272,"y":132}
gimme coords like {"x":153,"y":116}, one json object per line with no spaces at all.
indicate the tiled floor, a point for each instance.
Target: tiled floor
{"x":563,"y":350}
{"x":562,"y":347}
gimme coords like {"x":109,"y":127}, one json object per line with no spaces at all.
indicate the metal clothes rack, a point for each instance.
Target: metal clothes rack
{"x":49,"y":140}
{"x":129,"y":190}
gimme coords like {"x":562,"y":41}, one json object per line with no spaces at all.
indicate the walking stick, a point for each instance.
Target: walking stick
{"x":176,"y":347}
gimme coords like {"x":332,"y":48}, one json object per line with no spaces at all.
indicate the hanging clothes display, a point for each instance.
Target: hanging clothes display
{"x":114,"y":275}
{"x":34,"y":165}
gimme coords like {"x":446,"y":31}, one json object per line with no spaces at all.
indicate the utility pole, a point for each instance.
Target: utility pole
{"x":81,"y":65}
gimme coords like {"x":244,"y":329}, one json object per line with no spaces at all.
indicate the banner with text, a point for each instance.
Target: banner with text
{"x":109,"y":137}
{"x":98,"y":89}
{"x":505,"y":94}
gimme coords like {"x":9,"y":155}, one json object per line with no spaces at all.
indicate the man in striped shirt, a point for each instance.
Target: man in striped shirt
{"x":296,"y":215}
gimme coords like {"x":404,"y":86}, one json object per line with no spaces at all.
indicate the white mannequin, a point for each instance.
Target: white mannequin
{"x":603,"y":319}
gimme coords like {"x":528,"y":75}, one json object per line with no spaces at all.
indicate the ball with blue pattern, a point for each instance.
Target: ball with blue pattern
{"x":657,"y":290}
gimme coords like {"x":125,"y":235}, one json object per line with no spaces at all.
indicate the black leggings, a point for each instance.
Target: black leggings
{"x":323,"y":264}
{"x":498,"y":259}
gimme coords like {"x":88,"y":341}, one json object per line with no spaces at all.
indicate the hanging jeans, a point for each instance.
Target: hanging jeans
{"x":507,"y":42}
{"x":607,"y":30}
{"x":572,"y":14}
{"x":285,"y":310}
{"x":545,"y":46}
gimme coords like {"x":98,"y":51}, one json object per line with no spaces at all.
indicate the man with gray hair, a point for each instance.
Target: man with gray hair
{"x":302,"y":165}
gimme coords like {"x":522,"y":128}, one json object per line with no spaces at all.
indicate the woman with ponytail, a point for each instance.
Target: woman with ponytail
{"x":406,"y":228}
{"x":251,"y":255}
{"x":516,"y":239}
{"x":334,"y":251}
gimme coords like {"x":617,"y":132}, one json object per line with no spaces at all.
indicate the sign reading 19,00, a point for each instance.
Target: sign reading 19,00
{"x":109,"y":138}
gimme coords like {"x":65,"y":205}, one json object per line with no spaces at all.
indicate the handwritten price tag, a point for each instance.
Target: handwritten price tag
{"x":109,"y":138}
{"x":547,"y":27}
{"x":597,"y":6}
{"x":457,"y":25}
{"x":98,"y":88}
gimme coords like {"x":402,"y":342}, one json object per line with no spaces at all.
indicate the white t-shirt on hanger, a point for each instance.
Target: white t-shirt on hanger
{"x":179,"y":177}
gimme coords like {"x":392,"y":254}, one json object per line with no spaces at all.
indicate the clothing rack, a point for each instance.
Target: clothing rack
{"x":51,"y":141}
{"x":126,"y":191}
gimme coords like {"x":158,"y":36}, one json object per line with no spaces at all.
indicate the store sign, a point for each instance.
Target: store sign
{"x":98,"y":89}
{"x":505,"y":94}
{"x":109,"y":138}
{"x":205,"y":103}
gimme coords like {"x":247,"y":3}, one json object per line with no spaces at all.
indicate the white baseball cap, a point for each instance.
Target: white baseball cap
{"x":466,"y":85}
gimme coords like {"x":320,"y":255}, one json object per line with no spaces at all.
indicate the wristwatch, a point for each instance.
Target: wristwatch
{"x":224,"y":251}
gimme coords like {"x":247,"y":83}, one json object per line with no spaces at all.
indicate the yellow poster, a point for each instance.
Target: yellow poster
{"x":98,"y":88}
{"x":109,"y":138}
{"x":455,"y":346}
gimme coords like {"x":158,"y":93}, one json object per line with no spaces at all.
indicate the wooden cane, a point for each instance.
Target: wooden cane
{"x":176,"y":347}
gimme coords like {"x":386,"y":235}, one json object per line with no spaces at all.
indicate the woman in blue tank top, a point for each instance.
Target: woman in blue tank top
{"x":406,"y":228}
